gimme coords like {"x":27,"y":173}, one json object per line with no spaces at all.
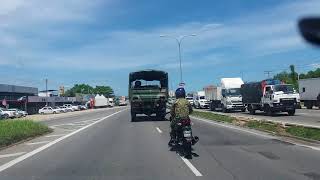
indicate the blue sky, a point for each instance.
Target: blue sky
{"x":100,"y":42}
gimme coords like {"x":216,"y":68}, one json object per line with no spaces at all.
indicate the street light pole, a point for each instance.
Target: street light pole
{"x":179,"y":40}
{"x":46,"y":91}
{"x":179,"y":44}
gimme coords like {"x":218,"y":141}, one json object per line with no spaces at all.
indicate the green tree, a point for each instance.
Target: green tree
{"x":104,"y":90}
{"x":293,"y":77}
{"x":79,"y":88}
{"x":311,"y":74}
{"x":283,"y":76}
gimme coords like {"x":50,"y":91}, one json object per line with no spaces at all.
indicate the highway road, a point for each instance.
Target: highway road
{"x":106,"y":145}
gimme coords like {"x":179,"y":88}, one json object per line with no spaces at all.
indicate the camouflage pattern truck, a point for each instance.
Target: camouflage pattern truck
{"x":148,"y":93}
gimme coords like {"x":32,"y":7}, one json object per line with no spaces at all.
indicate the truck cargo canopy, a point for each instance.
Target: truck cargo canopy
{"x":150,"y":75}
{"x":227,"y":83}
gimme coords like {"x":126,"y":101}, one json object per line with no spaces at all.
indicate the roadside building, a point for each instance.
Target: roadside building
{"x":29,"y":98}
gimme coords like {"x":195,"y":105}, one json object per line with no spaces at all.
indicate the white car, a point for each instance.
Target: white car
{"x":76,"y":108}
{"x":7,"y":114}
{"x":18,"y":113}
{"x":69,"y":107}
{"x":24,"y":113}
{"x":190,"y":99}
{"x":83,"y":107}
{"x":48,"y":110}
{"x":64,"y":109}
{"x":58,"y":109}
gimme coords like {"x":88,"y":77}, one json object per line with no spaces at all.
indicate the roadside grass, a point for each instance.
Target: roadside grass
{"x":212,"y":116}
{"x":276,"y":128}
{"x":304,"y":132}
{"x":260,"y":125}
{"x":13,"y":131}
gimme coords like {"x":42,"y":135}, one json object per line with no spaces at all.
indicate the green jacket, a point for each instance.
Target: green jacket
{"x":181,"y":108}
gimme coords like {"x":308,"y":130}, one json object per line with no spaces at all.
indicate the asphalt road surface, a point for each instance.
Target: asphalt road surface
{"x":112,"y":147}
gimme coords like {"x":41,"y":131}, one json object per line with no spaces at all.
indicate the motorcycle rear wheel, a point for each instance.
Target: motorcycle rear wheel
{"x":187,"y":150}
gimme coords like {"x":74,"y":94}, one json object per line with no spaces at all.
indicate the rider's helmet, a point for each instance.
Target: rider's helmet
{"x":180,"y":93}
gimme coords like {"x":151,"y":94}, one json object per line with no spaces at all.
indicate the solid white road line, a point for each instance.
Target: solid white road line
{"x":11,"y":155}
{"x":158,"y":129}
{"x":36,"y":143}
{"x":74,"y":123}
{"x":55,"y":135}
{"x":192,"y":168}
{"x":25,"y":156}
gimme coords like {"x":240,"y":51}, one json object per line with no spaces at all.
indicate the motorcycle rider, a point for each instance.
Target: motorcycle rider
{"x":180,"y":109}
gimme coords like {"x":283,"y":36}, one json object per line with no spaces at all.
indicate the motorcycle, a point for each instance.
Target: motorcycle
{"x":184,"y":138}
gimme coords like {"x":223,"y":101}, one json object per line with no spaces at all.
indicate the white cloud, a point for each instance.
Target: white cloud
{"x":315,"y":65}
{"x":34,"y":32}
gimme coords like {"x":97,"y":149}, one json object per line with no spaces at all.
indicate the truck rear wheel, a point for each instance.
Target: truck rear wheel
{"x":161,"y":116}
{"x":224,"y":109}
{"x":309,"y":106}
{"x":291,"y":112}
{"x":251,"y":110}
{"x":268,"y":110}
{"x":133,"y":117}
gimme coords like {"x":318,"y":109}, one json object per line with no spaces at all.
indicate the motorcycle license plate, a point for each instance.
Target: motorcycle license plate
{"x":186,"y":134}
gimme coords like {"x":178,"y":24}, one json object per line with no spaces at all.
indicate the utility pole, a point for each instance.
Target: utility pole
{"x":268,"y":73}
{"x":46,"y":91}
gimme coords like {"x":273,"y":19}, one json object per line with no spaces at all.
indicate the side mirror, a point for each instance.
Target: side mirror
{"x":310,"y":29}
{"x":271,"y":92}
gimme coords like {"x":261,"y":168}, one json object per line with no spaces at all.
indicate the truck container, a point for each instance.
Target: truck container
{"x":100,"y":101}
{"x":310,"y":92}
{"x":270,"y":96}
{"x":213,"y":95}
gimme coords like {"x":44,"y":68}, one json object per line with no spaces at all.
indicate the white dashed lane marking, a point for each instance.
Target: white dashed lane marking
{"x":158,"y":129}
{"x":192,"y":168}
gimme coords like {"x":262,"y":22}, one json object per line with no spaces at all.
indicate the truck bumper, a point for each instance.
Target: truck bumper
{"x":236,"y":107}
{"x":147,"y":108}
{"x":283,"y":107}
{"x":204,"y":105}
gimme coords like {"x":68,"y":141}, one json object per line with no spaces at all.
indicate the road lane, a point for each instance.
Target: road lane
{"x":119,"y":149}
{"x":82,"y":117}
{"x":112,"y":149}
{"x":223,"y":151}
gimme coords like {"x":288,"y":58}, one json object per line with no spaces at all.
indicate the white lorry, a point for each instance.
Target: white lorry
{"x":110,"y":102}
{"x":199,"y":100}
{"x":213,"y":95}
{"x":270,"y":96}
{"x":310,"y":92}
{"x":227,"y":97}
{"x":100,"y":101}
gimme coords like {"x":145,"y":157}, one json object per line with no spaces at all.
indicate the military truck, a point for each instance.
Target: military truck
{"x":148,"y":93}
